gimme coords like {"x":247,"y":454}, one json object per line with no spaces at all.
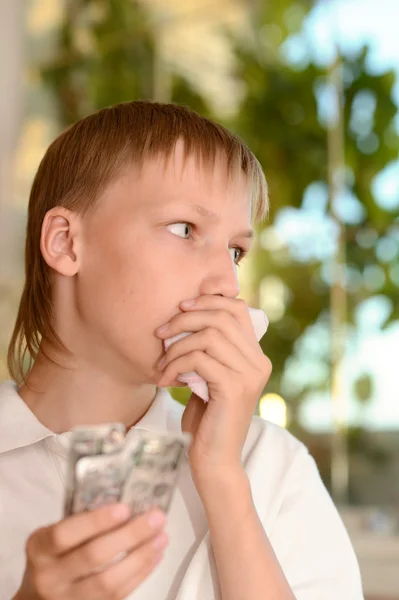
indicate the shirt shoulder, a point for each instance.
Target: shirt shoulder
{"x":8,"y":389}
{"x":19,"y":427}
{"x":277,"y":464}
{"x":265,"y":439}
{"x":299,"y":516}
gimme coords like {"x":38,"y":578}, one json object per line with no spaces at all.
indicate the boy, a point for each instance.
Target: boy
{"x":134,"y":210}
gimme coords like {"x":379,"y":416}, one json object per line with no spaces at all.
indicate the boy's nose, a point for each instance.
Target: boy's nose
{"x":220,"y":278}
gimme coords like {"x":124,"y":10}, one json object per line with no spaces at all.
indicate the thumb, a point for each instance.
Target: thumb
{"x":193,"y":414}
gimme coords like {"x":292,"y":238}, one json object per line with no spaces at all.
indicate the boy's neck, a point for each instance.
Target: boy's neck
{"x":62,"y":399}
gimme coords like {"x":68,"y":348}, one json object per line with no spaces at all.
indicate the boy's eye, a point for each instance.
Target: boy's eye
{"x":184,"y":230}
{"x":238,"y":254}
{"x":181,"y":228}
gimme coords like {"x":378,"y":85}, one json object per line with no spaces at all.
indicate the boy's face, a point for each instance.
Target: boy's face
{"x":146,"y":248}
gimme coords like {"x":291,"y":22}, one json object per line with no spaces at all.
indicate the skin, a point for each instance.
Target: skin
{"x":122,"y":273}
{"x":64,"y":560}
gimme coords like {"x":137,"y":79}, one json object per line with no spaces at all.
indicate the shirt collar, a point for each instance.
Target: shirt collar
{"x":19,"y":426}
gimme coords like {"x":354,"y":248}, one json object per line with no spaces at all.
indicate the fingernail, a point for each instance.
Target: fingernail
{"x":187,"y":303}
{"x":156,"y":519}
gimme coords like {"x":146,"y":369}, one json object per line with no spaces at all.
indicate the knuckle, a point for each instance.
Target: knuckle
{"x":197,"y":355}
{"x":268,"y":366}
{"x":211,"y":335}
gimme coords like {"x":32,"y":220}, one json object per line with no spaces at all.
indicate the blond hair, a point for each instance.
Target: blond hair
{"x":82,"y":162}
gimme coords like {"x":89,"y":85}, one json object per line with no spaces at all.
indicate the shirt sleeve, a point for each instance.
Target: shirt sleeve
{"x":310,"y":539}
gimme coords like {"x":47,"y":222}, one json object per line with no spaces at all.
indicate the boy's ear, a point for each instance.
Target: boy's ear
{"x":60,"y":240}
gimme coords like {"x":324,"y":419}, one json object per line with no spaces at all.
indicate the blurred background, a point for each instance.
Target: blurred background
{"x":313,"y":89}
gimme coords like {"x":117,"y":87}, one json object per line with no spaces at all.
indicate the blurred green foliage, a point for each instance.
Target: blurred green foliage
{"x":107,"y":54}
{"x":279,"y":120}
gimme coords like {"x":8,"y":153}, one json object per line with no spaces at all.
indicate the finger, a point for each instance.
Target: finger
{"x":237,"y":307}
{"x":119,"y":580}
{"x":204,"y":365}
{"x":211,"y":341}
{"x":49,"y":542}
{"x":101,"y":551}
{"x":193,"y":414}
{"x":218,"y":319}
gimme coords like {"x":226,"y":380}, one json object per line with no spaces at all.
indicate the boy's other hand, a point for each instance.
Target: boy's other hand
{"x":102,"y":554}
{"x":224,"y":351}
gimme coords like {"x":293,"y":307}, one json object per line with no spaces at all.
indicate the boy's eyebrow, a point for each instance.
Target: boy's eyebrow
{"x":209,"y":214}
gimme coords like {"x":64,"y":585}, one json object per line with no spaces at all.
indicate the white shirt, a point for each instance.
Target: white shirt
{"x":295,"y":509}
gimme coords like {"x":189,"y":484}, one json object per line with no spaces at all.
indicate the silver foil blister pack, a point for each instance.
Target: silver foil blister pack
{"x":140,"y":470}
